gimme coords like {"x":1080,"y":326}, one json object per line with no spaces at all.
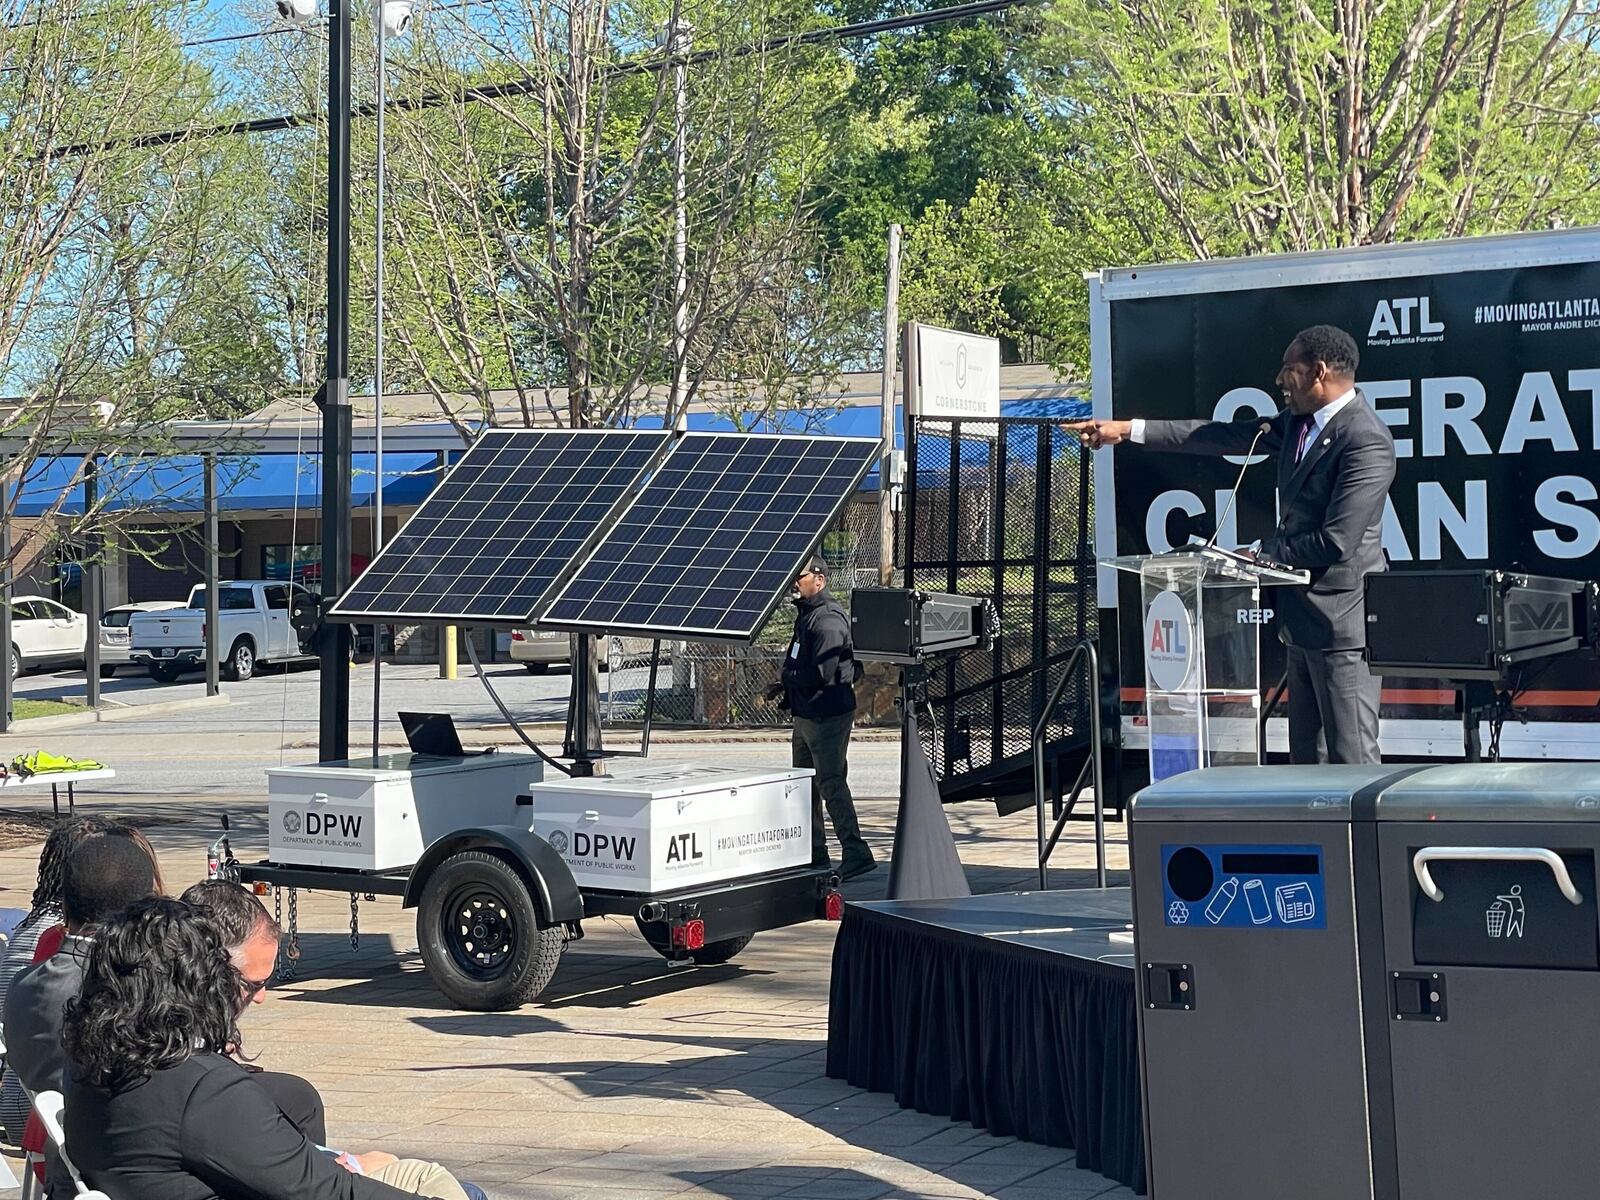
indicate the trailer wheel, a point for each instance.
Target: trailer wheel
{"x":480,"y":934}
{"x":709,"y":955}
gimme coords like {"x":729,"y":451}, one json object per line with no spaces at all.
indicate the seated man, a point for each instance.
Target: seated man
{"x":156,"y":1106}
{"x":102,"y":875}
{"x":251,"y":937}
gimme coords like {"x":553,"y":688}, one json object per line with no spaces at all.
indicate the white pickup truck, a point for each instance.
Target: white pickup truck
{"x":255,"y":626}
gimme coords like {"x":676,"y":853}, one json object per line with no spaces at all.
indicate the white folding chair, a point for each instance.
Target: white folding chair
{"x":30,"y":1181}
{"x":49,"y":1106}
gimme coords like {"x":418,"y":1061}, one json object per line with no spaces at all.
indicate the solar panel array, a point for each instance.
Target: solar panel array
{"x":501,"y":526}
{"x":715,"y":538}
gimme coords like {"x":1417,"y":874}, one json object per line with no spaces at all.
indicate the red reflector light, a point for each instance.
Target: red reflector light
{"x":691,"y":935}
{"x":833,"y":906}
{"x":516,"y":636}
{"x":261,"y":889}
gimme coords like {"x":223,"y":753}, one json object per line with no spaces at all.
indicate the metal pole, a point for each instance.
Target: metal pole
{"x":677,"y":46}
{"x":333,"y":738}
{"x":377,"y":390}
{"x":891,"y":328}
{"x":6,"y":682}
{"x":213,"y":600}
{"x":89,"y":581}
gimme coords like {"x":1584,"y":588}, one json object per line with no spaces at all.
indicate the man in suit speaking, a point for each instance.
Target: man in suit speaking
{"x":1335,"y":465}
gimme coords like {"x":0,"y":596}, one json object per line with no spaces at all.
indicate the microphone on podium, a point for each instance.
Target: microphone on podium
{"x":1227,"y":509}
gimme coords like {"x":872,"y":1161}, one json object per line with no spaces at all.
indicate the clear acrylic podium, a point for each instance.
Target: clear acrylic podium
{"x":1202,"y":619}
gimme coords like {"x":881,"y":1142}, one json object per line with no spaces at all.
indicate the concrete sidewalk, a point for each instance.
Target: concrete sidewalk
{"x":624,"y":1080}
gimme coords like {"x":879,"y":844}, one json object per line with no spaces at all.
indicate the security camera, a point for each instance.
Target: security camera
{"x":297,"y":12}
{"x":395,"y":15}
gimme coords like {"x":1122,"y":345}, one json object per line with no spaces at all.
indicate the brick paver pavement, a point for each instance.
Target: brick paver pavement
{"x":624,"y":1080}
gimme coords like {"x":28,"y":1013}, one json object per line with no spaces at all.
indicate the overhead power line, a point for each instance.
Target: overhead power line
{"x":526,"y":86}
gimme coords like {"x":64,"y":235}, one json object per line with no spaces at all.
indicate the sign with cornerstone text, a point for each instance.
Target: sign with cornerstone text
{"x":957,"y":375}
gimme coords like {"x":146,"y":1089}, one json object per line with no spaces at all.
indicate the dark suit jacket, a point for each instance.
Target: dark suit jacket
{"x":202,"y":1130}
{"x":1330,"y":508}
{"x":33,"y":1016}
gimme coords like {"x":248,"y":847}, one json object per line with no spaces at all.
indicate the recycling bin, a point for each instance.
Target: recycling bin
{"x":1253,"y":1049}
{"x":1492,"y":979}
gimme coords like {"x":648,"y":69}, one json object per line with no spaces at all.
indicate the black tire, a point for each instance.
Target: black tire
{"x":710,"y":955}
{"x":500,"y":963}
{"x":107,"y":672}
{"x":16,"y":663}
{"x":163,"y":674}
{"x":537,"y":668}
{"x":241,"y":661}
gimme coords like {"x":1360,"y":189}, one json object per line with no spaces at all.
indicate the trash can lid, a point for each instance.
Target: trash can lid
{"x":1278,"y":793}
{"x":1521,"y":791}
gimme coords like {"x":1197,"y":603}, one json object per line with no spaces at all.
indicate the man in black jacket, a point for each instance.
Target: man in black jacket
{"x":818,"y":688}
{"x":1335,"y":464}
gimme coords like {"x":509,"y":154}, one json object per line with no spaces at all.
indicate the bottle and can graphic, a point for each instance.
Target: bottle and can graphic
{"x":1255,"y":899}
{"x":1222,"y":901}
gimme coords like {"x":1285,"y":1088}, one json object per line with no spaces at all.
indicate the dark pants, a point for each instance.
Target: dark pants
{"x":1332,"y":693}
{"x":824,"y":746}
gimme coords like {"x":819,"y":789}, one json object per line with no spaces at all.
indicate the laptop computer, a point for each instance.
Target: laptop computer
{"x":433,"y":734}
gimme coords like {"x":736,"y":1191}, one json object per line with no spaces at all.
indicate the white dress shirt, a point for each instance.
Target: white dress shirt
{"x":1322,"y":416}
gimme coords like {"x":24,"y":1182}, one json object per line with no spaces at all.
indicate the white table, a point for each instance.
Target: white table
{"x":55,"y":780}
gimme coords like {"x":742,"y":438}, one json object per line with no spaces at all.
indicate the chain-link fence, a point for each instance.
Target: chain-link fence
{"x":1002,"y":509}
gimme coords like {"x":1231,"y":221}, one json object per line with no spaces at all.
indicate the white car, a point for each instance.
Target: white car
{"x":539,"y":650}
{"x":116,"y":637}
{"x":43,"y":632}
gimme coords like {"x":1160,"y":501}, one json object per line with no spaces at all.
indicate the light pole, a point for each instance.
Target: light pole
{"x":333,"y":399}
{"x":678,"y":35}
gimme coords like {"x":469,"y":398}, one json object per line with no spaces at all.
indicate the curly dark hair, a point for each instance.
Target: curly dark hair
{"x":158,"y":987}
{"x":66,"y":837}
{"x":1332,"y":345}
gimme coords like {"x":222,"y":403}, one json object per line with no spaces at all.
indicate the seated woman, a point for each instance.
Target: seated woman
{"x":43,"y":919}
{"x":155,"y":1108}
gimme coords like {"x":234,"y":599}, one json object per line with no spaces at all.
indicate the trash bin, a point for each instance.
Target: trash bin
{"x":1492,"y":979}
{"x":1252,"y":1042}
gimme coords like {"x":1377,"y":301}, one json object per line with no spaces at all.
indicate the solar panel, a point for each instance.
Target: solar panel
{"x":501,"y":526}
{"x":715,"y":538}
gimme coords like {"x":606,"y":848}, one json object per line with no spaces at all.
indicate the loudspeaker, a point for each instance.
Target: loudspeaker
{"x":1473,"y":624}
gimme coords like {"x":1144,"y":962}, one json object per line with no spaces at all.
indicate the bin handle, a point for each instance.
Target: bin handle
{"x":1491,"y":854}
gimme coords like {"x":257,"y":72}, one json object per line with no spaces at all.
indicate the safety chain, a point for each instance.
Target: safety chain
{"x":355,"y":924}
{"x":292,"y":955}
{"x":285,"y":971}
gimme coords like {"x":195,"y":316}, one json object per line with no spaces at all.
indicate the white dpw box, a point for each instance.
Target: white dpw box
{"x":676,"y":826}
{"x":380,"y":814}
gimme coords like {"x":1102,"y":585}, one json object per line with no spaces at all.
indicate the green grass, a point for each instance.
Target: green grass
{"x":43,"y":708}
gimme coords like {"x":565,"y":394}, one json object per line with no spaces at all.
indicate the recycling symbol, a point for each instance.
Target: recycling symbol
{"x":1177,"y":913}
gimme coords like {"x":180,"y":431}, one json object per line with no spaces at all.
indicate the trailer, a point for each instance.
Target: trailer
{"x":503,"y":868}
{"x":1483,"y":357}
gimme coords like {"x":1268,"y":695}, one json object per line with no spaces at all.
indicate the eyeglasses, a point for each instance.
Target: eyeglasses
{"x":254,"y":987}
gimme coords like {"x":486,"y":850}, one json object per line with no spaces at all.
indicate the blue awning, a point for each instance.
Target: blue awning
{"x":866,"y":420}
{"x":176,"y":484}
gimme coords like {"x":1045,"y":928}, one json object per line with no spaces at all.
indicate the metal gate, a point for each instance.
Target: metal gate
{"x":1002,"y":509}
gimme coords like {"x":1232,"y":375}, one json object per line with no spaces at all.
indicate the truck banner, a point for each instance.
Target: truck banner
{"x":1483,"y":357}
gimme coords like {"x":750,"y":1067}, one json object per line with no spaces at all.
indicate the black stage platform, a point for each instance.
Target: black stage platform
{"x":1013,"y":1011}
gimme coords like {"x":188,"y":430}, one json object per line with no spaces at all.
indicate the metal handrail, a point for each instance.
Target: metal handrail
{"x":1086,"y":652}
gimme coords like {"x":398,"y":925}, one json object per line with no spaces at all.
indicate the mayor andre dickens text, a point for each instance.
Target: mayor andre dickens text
{"x":763,"y":838}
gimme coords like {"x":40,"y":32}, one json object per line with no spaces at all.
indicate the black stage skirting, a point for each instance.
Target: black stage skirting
{"x":1014,"y":1012}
